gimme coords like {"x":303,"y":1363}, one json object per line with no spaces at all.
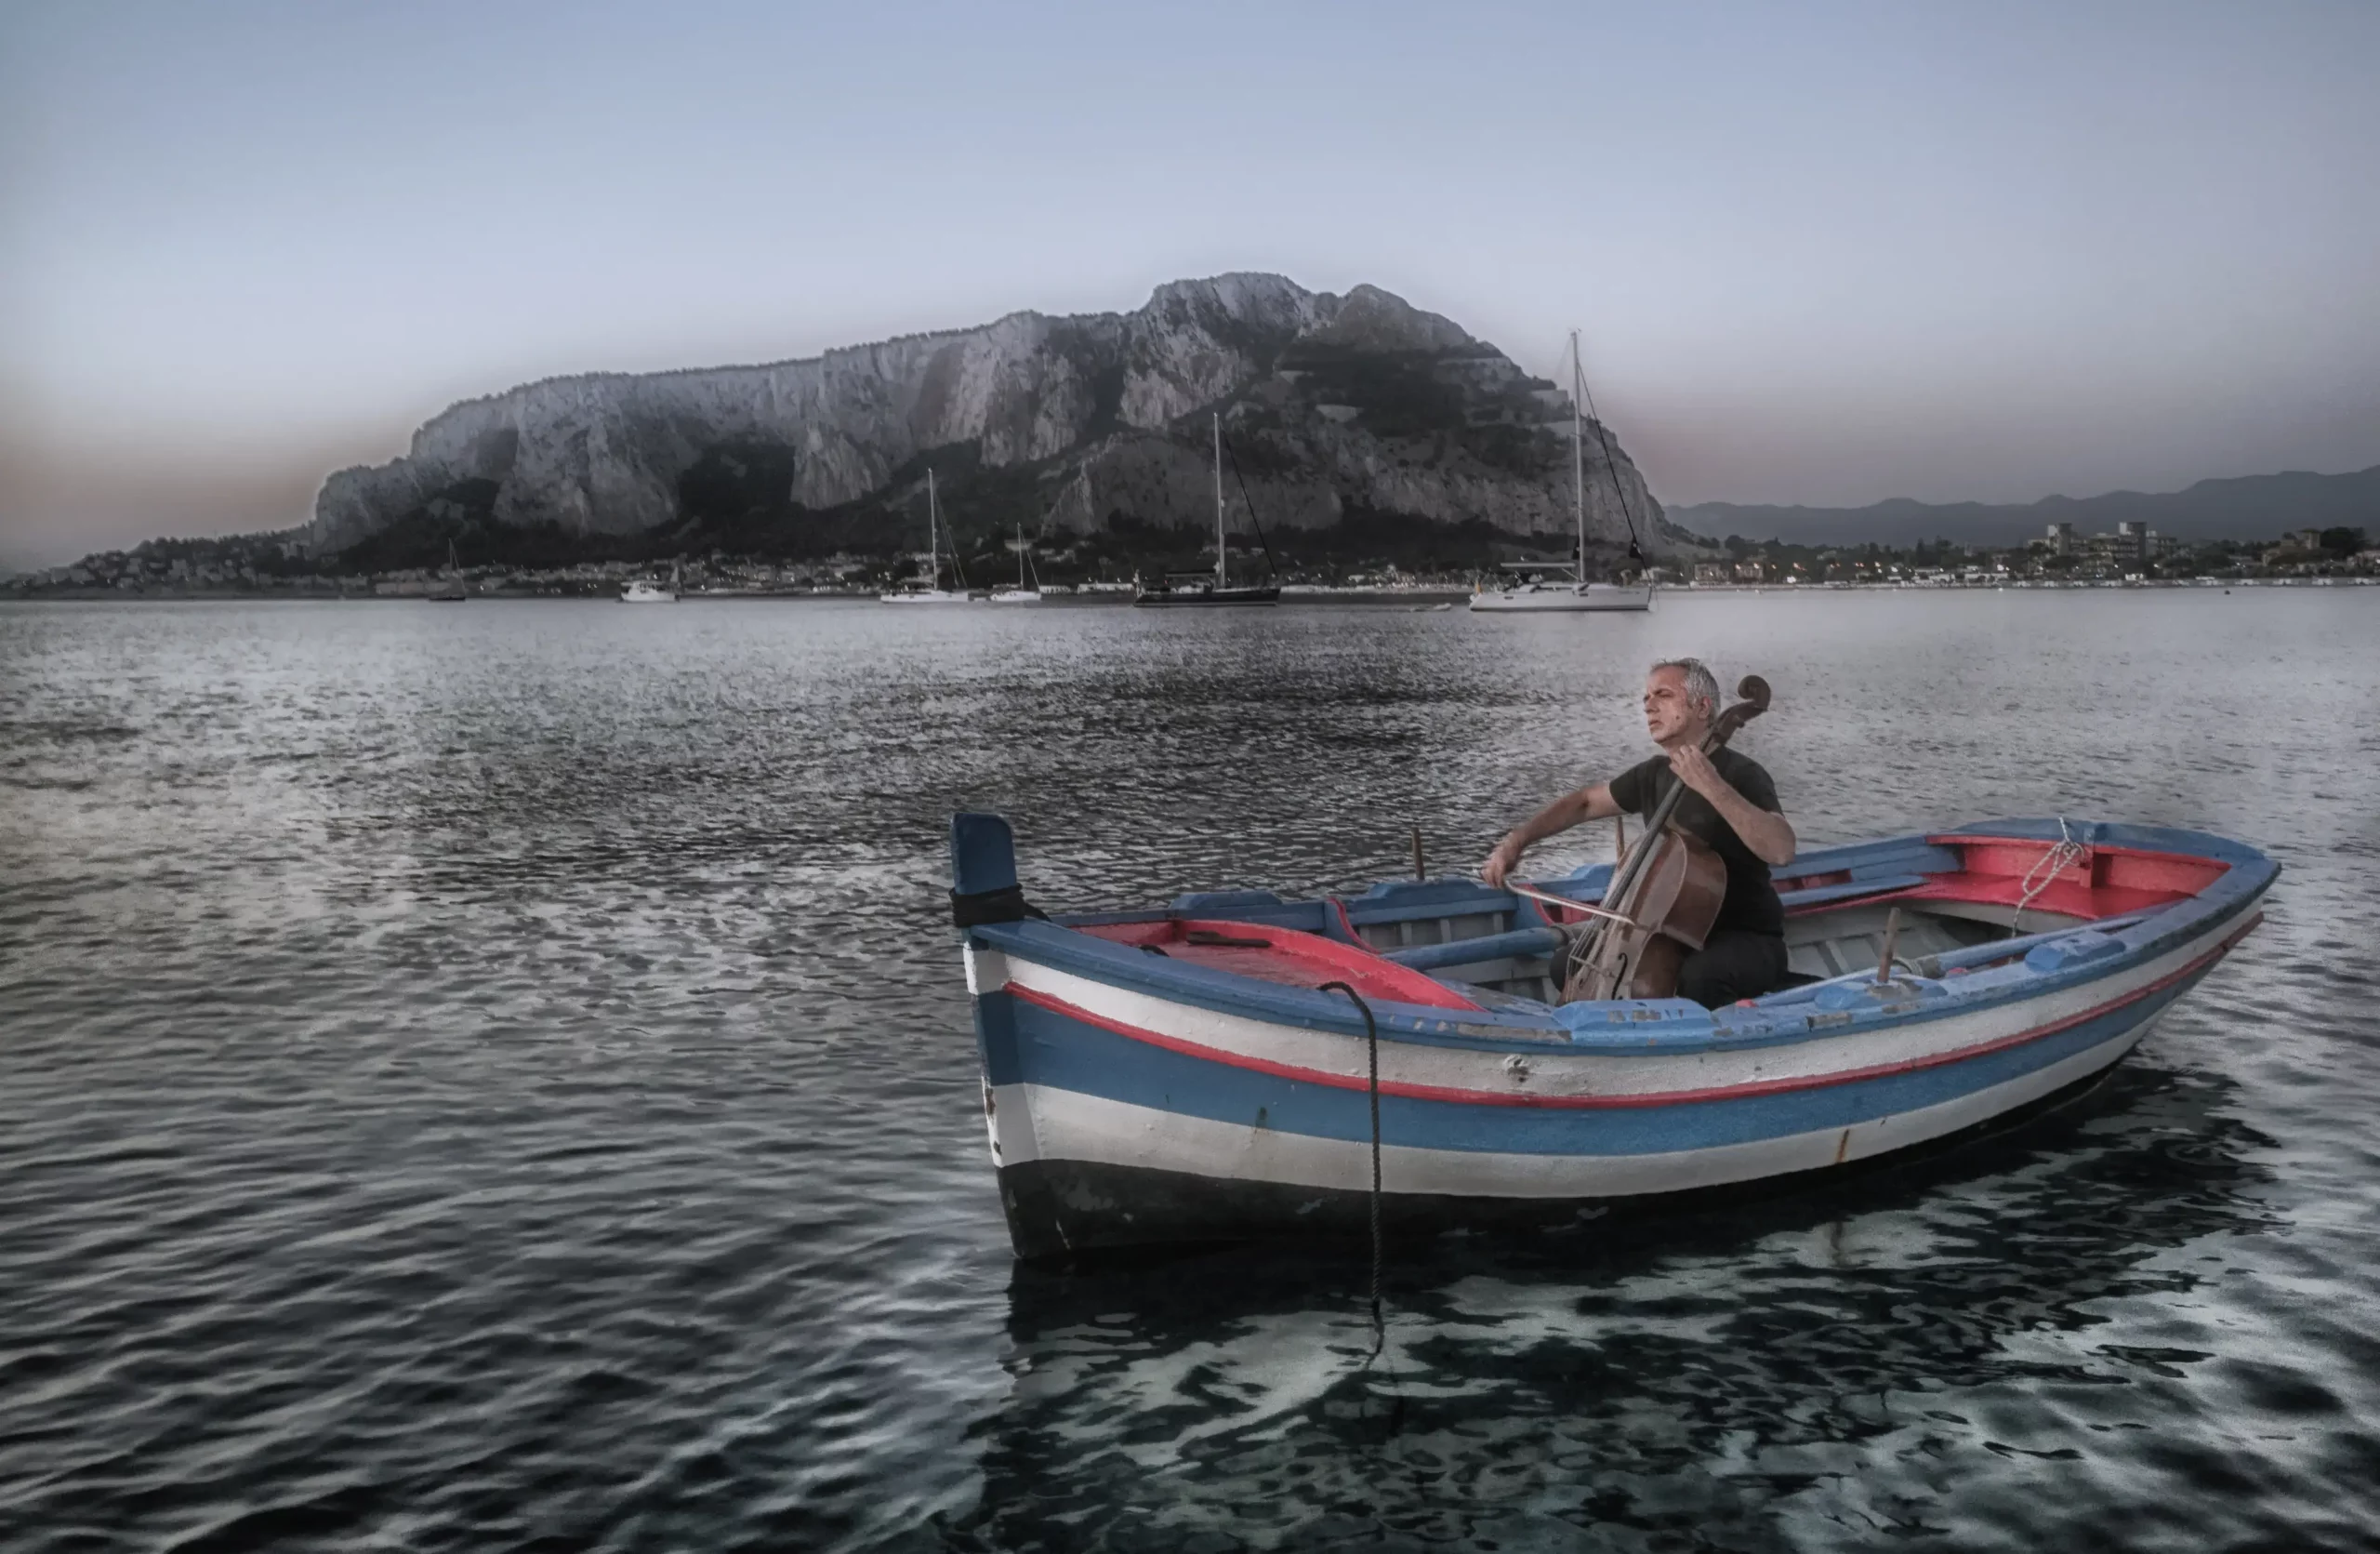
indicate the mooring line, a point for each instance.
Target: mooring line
{"x":1371,"y":1042}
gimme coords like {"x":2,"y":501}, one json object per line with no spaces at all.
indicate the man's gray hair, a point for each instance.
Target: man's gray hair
{"x":1700,"y":683}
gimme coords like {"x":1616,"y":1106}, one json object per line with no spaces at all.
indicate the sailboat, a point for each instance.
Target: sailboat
{"x":932,"y":592}
{"x":643,"y":590}
{"x":1020,"y":595}
{"x":450,"y":589}
{"x":1178,"y":587}
{"x":1553,"y":585}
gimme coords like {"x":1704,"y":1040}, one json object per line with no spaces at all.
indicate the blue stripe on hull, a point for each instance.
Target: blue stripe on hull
{"x":1024,"y":1042}
{"x":996,"y":1039}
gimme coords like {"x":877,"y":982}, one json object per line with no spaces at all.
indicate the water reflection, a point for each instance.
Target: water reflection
{"x":1697,"y":1379}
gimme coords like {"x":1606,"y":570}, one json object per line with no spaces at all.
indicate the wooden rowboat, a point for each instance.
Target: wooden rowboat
{"x":1182,"y":1074}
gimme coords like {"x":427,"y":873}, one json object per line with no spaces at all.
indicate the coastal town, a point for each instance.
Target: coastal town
{"x":2133,"y":555}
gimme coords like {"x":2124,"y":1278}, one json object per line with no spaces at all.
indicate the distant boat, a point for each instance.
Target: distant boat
{"x":644,"y":590}
{"x":451,"y":591}
{"x":932,"y":592}
{"x":1193,"y":587}
{"x":1563,"y":586}
{"x":1020,"y":595}
{"x":1554,"y":586}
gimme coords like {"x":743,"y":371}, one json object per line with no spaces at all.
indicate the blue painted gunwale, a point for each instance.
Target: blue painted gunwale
{"x":1646,"y":1027}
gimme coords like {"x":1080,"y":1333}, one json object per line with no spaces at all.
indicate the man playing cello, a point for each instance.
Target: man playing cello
{"x":1731,"y":805}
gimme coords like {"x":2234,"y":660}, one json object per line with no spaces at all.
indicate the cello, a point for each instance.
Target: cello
{"x":1664,"y":895}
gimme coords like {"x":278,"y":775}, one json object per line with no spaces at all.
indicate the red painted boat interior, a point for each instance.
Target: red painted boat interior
{"x":1282,"y":955}
{"x":2100,"y":883}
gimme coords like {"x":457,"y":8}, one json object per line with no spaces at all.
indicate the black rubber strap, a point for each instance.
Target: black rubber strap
{"x":1007,"y":905}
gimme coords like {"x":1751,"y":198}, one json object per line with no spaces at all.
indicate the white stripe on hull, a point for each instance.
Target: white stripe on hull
{"x":1551,"y":1069}
{"x":1031,"y":1121}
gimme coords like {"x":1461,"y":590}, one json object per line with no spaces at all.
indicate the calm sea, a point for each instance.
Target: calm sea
{"x":498,"y":1076}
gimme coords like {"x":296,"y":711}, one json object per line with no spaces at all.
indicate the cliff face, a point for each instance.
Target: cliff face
{"x":1333,"y":405}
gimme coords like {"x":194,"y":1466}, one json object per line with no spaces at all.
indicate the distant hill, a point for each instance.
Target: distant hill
{"x":2252,"y":507}
{"x":1357,"y":423}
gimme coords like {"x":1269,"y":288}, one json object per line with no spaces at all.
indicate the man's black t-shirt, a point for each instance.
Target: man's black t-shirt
{"x":1751,"y":901}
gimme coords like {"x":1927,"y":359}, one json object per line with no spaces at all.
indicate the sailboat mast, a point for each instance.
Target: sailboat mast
{"x":933,"y":544}
{"x":1578,"y":452}
{"x":1219,"y":499}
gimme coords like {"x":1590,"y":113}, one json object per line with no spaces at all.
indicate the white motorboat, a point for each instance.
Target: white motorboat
{"x":932,"y":592}
{"x":1563,"y":586}
{"x":644,"y":590}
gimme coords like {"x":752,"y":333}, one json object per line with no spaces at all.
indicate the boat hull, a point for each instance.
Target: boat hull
{"x":1214,"y":1089}
{"x":1594,"y":599}
{"x":1187,"y":598}
{"x":1220,"y":1181}
{"x":1058,"y":1209}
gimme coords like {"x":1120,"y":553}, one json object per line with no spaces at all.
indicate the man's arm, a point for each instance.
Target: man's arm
{"x":1764,"y":832}
{"x":1570,"y":809}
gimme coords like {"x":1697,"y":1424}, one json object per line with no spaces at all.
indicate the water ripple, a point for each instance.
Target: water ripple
{"x":498,"y":1078}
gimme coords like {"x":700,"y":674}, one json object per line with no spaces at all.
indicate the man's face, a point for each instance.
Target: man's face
{"x":1667,"y":714}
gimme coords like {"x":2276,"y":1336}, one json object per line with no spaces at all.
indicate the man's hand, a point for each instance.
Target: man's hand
{"x":1769,"y":835}
{"x":1499,"y":863}
{"x":1694,"y":769}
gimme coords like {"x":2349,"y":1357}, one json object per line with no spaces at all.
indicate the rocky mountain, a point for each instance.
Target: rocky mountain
{"x":2251,"y":507}
{"x":1337,"y":410}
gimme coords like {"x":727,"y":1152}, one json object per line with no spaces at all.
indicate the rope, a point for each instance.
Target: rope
{"x":1233,"y":459}
{"x":1371,"y":1041}
{"x":1612,"y":466}
{"x":2052,"y":862}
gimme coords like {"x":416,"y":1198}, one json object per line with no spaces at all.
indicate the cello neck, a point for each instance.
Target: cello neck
{"x":1712,"y":743}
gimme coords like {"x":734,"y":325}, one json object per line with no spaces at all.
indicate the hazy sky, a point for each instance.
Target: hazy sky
{"x":1821,"y":253}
